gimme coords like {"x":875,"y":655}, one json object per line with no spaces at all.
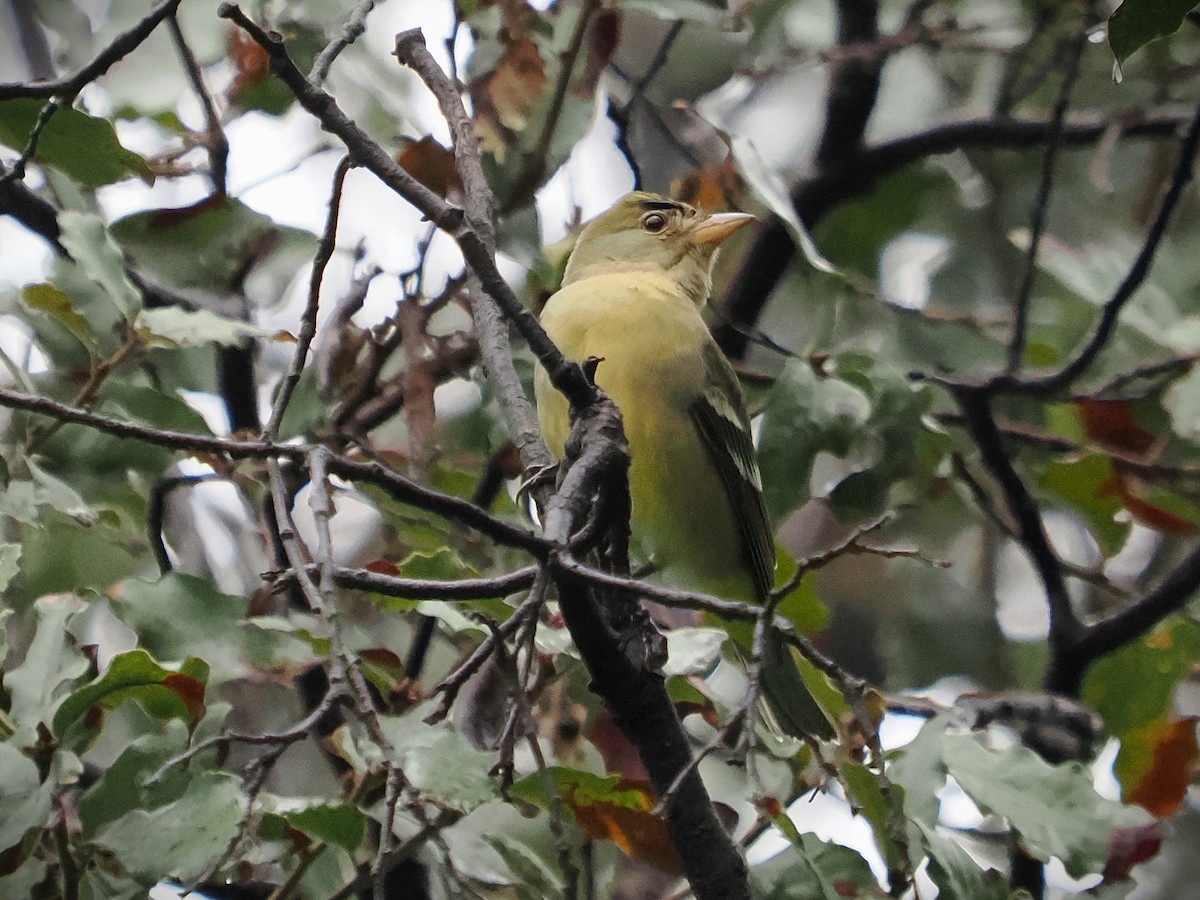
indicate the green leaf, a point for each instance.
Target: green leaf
{"x":1055,"y":809}
{"x":151,"y":406}
{"x":874,"y":805}
{"x":10,"y":557}
{"x":62,"y":555}
{"x":769,"y":188}
{"x":440,"y":762}
{"x":333,"y":823}
{"x":84,"y":147}
{"x":49,"y":490}
{"x":122,"y":786}
{"x":25,"y":800}
{"x":917,"y":767}
{"x":803,"y":415}
{"x":814,"y":870}
{"x":51,"y":661}
{"x":181,"y":615}
{"x":49,"y":299}
{"x":93,"y":249}
{"x":1162,"y":659}
{"x":534,"y":876}
{"x":1087,"y":485}
{"x":205,"y":245}
{"x":1138,"y":22}
{"x":177,"y":327}
{"x":135,"y":675}
{"x":180,"y":838}
{"x":955,"y":872}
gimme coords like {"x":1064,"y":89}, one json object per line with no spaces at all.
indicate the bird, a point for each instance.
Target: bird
{"x":632,"y":296}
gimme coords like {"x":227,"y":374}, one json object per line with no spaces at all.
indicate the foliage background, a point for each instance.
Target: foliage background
{"x":175,"y":707}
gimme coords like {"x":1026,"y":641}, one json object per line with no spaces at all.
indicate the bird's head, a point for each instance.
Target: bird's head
{"x":649,"y":233}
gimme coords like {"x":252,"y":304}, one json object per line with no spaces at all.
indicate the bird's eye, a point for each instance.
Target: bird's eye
{"x":654,"y":222}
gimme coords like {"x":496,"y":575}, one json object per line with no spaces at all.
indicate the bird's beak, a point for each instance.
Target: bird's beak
{"x":716,"y":228}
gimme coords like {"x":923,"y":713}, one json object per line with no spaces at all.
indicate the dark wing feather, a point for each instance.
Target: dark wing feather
{"x":720,"y":418}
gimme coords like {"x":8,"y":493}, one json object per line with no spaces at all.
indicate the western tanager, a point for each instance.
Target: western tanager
{"x":632,"y":296}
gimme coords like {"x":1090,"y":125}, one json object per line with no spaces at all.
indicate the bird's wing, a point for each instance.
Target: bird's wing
{"x":720,"y":417}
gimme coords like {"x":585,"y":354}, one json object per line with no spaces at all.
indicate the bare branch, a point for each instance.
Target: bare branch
{"x":1041,"y":202}
{"x":120,"y":47}
{"x":308,"y":320}
{"x":354,"y":28}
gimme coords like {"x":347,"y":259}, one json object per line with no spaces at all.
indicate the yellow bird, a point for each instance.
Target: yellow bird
{"x":632,"y":296}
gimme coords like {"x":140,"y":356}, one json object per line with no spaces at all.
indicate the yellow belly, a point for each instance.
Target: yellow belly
{"x":651,"y":339}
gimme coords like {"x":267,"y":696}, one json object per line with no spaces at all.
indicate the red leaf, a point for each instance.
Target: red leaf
{"x":190,"y":691}
{"x":1162,"y":788}
{"x":250,"y":60}
{"x":1144,"y":511}
{"x":627,"y":821}
{"x":1111,"y":422}
{"x":1129,"y":846}
{"x":620,"y":756}
{"x":383,"y":567}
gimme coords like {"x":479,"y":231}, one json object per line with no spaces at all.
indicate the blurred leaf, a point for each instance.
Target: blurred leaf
{"x":10,"y":556}
{"x":955,"y":872}
{"x":442,"y":564}
{"x":50,"y":299}
{"x":134,"y":675}
{"x":92,"y":247}
{"x":1156,"y":508}
{"x":254,"y":87}
{"x":84,"y":147}
{"x":1157,"y":763}
{"x":180,"y":616}
{"x":1055,"y":809}
{"x":769,"y":188}
{"x":431,"y":164}
{"x":534,"y":876}
{"x":26,"y":804}
{"x":152,"y":407}
{"x":205,"y":245}
{"x":51,"y":491}
{"x":62,"y":555}
{"x":1136,"y":23}
{"x":51,"y":661}
{"x":194,"y":328}
{"x":917,"y":767}
{"x":1089,"y":485}
{"x":440,"y":762}
{"x":122,"y":786}
{"x":333,"y":823}
{"x":870,"y":801}
{"x":693,"y":651}
{"x":609,"y":808}
{"x":1162,"y":660}
{"x":803,"y":415}
{"x":814,"y":870}
{"x":1112,"y":423}
{"x":183,"y":836}
{"x":856,"y":232}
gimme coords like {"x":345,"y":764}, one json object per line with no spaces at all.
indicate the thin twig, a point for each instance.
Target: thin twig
{"x":117,"y":49}
{"x":354,"y":28}
{"x":215,"y":141}
{"x":1072,"y":65}
{"x":1049,"y":384}
{"x":308,"y":320}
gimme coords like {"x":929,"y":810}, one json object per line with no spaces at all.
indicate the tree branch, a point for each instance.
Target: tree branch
{"x":120,"y":47}
{"x":857,"y":173}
